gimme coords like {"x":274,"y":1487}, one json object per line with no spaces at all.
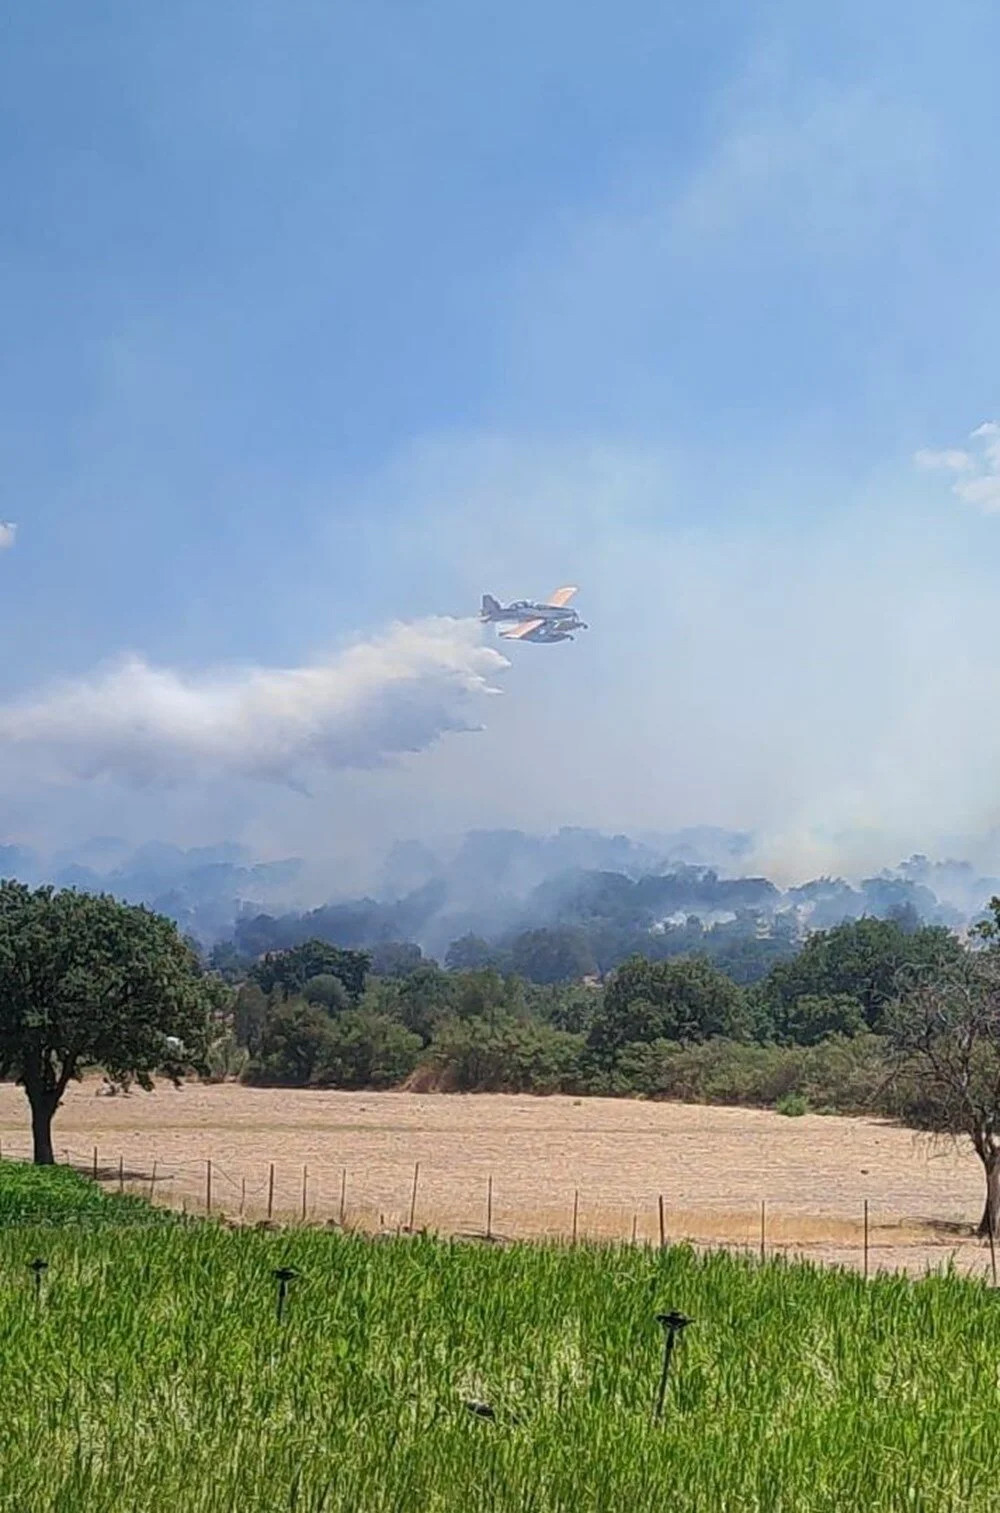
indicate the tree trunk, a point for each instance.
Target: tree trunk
{"x":43,"y":1108}
{"x":992,"y":1206}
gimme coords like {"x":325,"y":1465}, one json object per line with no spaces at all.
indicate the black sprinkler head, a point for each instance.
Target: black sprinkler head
{"x":480,"y":1410}
{"x":38,"y":1266}
{"x":673,"y":1320}
{"x":284,"y":1274}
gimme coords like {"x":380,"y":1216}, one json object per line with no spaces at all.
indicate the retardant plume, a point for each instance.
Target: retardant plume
{"x":8,"y":534}
{"x":374,"y":700}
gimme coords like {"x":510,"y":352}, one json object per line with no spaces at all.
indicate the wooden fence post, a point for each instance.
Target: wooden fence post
{"x":413,"y":1195}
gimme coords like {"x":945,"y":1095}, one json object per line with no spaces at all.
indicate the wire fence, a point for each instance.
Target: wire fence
{"x":482,"y":1204}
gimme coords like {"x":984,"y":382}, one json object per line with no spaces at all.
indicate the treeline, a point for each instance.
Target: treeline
{"x":547,"y":955}
{"x":587,"y":923}
{"x":809,"y":1033}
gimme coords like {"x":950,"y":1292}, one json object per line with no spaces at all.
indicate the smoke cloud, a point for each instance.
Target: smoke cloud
{"x":8,"y":534}
{"x":375,"y":700}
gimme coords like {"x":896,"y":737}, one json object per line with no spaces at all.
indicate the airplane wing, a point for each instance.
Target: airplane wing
{"x":524,"y":629}
{"x":560,"y":597}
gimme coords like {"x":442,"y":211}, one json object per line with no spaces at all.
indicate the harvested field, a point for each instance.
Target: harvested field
{"x":713,"y":1166}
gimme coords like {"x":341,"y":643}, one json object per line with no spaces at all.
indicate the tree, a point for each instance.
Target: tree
{"x":810,"y":1019}
{"x":470,"y":953}
{"x":562,"y":954}
{"x":396,"y":958}
{"x":862,"y":958}
{"x":88,"y":981}
{"x":944,"y":1038}
{"x":366,"y":1050}
{"x":290,"y":970}
{"x":685,"y":999}
{"x":327,"y":991}
{"x":249,"y":1016}
{"x":294,"y":1040}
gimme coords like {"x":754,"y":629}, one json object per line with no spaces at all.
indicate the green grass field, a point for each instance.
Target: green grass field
{"x":151,"y":1373}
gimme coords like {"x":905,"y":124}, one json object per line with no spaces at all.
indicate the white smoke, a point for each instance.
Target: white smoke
{"x":8,"y":534}
{"x":374,"y":700}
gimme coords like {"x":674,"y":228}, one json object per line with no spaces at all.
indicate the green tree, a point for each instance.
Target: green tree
{"x":288,"y":971}
{"x":813,"y":1018}
{"x":505,"y":1055}
{"x":249,"y":1016}
{"x":295,"y":1038}
{"x":683,"y":999}
{"x":470,"y":953}
{"x":862,"y":959}
{"x":423,"y":999}
{"x":327,"y":991}
{"x":366,"y":1050}
{"x":562,"y":954}
{"x":396,"y":958}
{"x":87,"y":981}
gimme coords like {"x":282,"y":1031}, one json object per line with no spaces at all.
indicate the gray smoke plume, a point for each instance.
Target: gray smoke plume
{"x":374,"y":700}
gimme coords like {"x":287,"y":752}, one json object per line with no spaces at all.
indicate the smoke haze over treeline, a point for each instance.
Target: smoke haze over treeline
{"x":631,"y":893}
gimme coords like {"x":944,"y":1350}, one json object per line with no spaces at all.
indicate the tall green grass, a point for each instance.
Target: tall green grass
{"x":151,"y":1374}
{"x":58,"y":1195}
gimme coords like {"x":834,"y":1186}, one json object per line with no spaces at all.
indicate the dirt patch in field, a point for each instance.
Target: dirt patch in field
{"x":520,"y":1166}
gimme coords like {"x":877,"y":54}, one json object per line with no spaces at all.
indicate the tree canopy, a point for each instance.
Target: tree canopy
{"x":666,"y":1000}
{"x":289,"y":971}
{"x":86,"y":981}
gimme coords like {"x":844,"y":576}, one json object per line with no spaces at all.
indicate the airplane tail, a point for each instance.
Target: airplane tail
{"x":490,"y":606}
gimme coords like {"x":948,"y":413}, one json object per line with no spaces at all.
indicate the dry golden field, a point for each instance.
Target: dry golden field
{"x":611,"y":1158}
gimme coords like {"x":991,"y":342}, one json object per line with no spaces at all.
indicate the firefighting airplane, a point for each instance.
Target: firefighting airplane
{"x":545,"y":622}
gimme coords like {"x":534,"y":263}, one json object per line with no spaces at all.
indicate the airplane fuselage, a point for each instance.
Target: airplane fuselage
{"x":523,"y":609}
{"x":532,"y":620}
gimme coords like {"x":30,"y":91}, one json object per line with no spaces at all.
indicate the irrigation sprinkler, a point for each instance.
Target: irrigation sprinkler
{"x":39,"y":1267}
{"x":482,"y":1410}
{"x":672,"y":1322}
{"x":283,"y":1275}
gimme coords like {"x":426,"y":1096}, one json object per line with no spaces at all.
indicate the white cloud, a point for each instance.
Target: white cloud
{"x":953,"y":459}
{"x":983,"y":461}
{"x":372,"y":701}
{"x":8,"y":533}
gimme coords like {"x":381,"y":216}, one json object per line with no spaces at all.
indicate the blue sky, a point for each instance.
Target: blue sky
{"x":319,"y":317}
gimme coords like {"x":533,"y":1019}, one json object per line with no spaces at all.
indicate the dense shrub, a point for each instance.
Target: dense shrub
{"x":839,"y":1073}
{"x":503,"y":1056}
{"x":366,"y":1050}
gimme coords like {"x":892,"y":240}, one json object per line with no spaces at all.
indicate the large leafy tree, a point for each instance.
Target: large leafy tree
{"x":863,"y":959}
{"x":686,"y":999}
{"x":289,"y":971}
{"x":86,"y":981}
